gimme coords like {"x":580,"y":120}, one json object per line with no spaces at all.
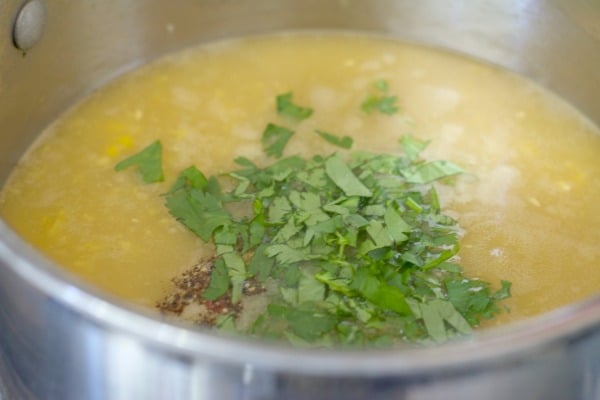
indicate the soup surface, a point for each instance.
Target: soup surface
{"x":528,"y":205}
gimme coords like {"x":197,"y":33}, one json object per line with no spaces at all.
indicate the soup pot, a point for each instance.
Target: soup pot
{"x":61,"y":338}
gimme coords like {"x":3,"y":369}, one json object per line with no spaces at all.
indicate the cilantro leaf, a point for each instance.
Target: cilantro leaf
{"x":431,"y":171}
{"x":472,"y":298}
{"x":396,"y":226}
{"x":237,"y":274}
{"x":198,"y":211}
{"x":342,"y":176}
{"x":344,"y":142}
{"x":285,"y":106}
{"x":381,"y":294}
{"x":190,"y":177}
{"x":380,"y":101}
{"x":244,"y":162}
{"x":275,"y":138}
{"x":261,"y":264}
{"x":453,"y":317}
{"x":412,"y":146}
{"x":391,"y":298}
{"x":436,"y":314}
{"x":383,"y":104}
{"x":310,"y":289}
{"x":309,"y":325}
{"x":148,"y":161}
{"x":286,"y":254}
{"x":219,"y":281}
{"x":278,"y":209}
{"x":434,"y":322}
{"x":378,"y":234}
{"x":504,"y":291}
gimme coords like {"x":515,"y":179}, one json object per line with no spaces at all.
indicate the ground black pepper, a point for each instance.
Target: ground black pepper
{"x":185,"y":299}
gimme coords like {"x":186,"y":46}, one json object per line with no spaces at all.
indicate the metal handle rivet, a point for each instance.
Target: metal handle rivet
{"x":29,"y":24}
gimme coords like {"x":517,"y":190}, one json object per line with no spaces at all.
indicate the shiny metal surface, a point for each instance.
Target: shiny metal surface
{"x":61,"y":339}
{"x":29,"y":24}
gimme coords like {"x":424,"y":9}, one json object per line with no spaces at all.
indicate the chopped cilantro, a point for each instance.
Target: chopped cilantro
{"x":286,"y":107}
{"x":148,"y":161}
{"x":380,"y":100}
{"x":357,"y":248}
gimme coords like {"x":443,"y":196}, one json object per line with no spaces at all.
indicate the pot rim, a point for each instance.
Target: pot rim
{"x":490,"y":346}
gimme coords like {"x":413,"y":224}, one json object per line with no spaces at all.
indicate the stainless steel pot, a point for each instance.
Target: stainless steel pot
{"x":62,"y":339}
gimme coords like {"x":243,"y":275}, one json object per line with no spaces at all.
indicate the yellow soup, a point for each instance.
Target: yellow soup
{"x":528,"y":205}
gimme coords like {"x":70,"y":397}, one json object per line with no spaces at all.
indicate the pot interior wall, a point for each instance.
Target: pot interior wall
{"x":87,"y":43}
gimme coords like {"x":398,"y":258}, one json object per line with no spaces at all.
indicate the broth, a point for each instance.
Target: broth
{"x":528,"y":205}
